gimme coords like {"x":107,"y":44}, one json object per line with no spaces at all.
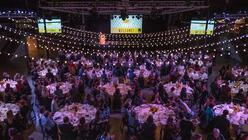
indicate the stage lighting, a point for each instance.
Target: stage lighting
{"x":139,"y":16}
{"x":124,"y":14}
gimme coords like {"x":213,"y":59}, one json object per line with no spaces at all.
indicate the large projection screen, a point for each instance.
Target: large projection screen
{"x":131,"y":25}
{"x":52,"y":26}
{"x":198,"y":27}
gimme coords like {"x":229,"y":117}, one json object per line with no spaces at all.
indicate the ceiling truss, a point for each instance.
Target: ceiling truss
{"x":132,"y":7}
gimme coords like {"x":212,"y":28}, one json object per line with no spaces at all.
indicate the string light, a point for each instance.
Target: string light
{"x":50,"y":42}
{"x":170,"y":37}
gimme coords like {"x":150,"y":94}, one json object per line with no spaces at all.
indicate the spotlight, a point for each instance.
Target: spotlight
{"x":124,"y":14}
{"x":138,"y":17}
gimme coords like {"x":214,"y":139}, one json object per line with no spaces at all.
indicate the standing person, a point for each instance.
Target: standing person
{"x":50,"y":126}
{"x":132,"y":124}
{"x":59,"y":93}
{"x":216,"y":135}
{"x":82,"y":130}
{"x":117,"y":100}
{"x":170,"y":130}
{"x":186,"y":128}
{"x":207,"y":117}
{"x":138,"y":99}
{"x":66,"y":130}
{"x":74,"y":92}
{"x":106,"y":134}
{"x":8,"y":123}
{"x":163,"y":94}
{"x":223,"y":124}
{"x":203,"y":96}
{"x":148,"y":132}
{"x":131,"y":76}
{"x":96,"y":127}
{"x":54,"y":104}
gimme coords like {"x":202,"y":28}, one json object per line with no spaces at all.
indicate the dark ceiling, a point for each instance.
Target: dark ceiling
{"x":26,"y":4}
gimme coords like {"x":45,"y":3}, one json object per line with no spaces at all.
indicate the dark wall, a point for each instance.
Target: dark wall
{"x":98,"y":24}
{"x":19,"y":4}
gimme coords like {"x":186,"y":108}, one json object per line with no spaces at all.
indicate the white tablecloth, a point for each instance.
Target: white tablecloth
{"x":110,"y":88}
{"x":239,"y":71}
{"x":146,"y":73}
{"x":98,"y":73}
{"x":236,"y":86}
{"x":159,"y":112}
{"x":43,"y":72}
{"x":197,"y":75}
{"x":178,"y":88}
{"x":5,"y":82}
{"x":74,"y":112}
{"x":64,"y":86}
{"x":88,"y":63}
{"x":4,"y":108}
{"x":237,"y":114}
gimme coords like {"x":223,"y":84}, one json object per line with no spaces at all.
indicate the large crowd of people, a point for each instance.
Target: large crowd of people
{"x":158,"y":96}
{"x":15,"y":106}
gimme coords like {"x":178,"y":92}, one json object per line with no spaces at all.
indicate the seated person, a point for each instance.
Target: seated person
{"x":239,"y":97}
{"x":216,"y":135}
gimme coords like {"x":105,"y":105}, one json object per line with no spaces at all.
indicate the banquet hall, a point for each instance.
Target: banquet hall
{"x":124,"y":70}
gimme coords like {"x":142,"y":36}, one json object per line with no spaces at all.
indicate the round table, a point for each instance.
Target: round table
{"x":98,"y":73}
{"x":237,"y":114}
{"x":4,"y":82}
{"x":65,"y":87}
{"x":5,"y":107}
{"x":159,"y":113}
{"x":146,"y":73}
{"x":177,"y":89}
{"x":74,"y":112}
{"x":43,"y":72}
{"x":236,"y":86}
{"x":110,"y":88}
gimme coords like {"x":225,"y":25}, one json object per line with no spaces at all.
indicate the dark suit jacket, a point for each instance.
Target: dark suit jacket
{"x":223,"y":124}
{"x":67,"y":132}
